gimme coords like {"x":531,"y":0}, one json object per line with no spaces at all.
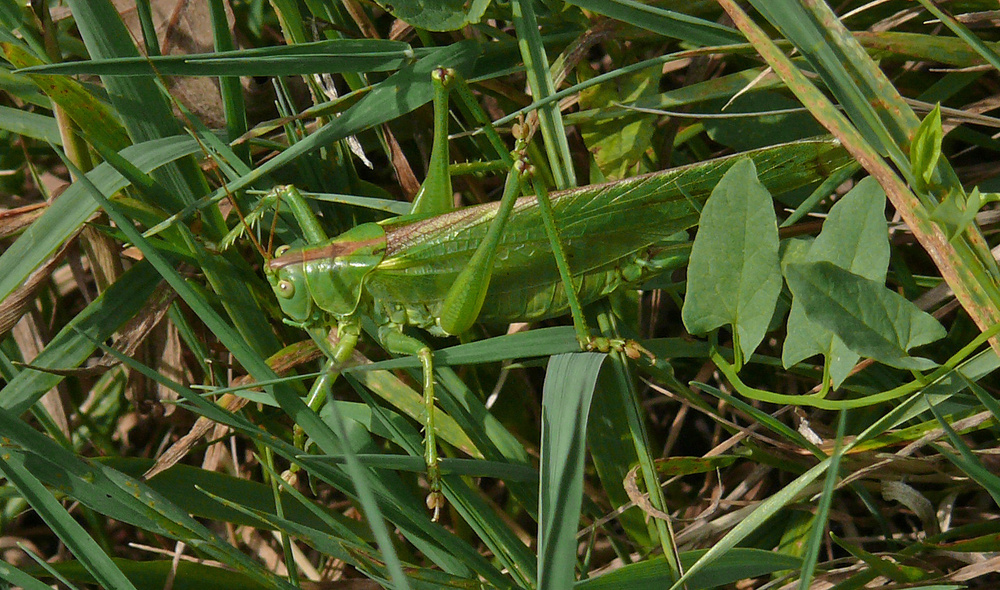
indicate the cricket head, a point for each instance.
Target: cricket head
{"x":290,"y":287}
{"x":327,"y":277}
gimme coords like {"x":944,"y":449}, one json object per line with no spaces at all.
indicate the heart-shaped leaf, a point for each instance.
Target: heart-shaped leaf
{"x":734,"y":277}
{"x":855,"y":238}
{"x":871,"y":319}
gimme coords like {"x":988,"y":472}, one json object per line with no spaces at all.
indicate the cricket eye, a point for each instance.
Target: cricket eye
{"x":286,"y":289}
{"x":281,"y":250}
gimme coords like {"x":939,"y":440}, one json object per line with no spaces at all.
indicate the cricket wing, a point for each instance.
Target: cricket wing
{"x":602,"y":227}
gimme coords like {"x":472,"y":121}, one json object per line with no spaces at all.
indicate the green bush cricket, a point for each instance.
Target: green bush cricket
{"x":500,"y":262}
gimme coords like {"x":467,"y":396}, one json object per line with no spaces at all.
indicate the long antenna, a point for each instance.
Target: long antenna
{"x":191,"y":128}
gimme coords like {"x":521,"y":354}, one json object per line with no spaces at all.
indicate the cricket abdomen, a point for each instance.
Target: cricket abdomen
{"x":417,"y":299}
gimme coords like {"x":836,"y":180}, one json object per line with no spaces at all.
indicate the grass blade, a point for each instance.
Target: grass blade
{"x":65,"y":527}
{"x":569,"y":387}
{"x":823,"y":509}
{"x":542,"y":86}
{"x":664,"y":22}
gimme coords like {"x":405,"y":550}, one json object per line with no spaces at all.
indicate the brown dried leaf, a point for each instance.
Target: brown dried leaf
{"x":16,"y":304}
{"x":14,"y":221}
{"x":131,"y":336}
{"x":282,"y":362}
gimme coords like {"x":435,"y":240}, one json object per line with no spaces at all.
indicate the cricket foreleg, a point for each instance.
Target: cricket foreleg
{"x":399,"y":343}
{"x":337,"y":354}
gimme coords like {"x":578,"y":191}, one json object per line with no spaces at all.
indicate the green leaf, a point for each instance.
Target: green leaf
{"x":855,"y":238}
{"x":437,"y":15}
{"x":668,"y":23}
{"x":739,"y":563}
{"x":566,"y":396}
{"x":619,"y":143}
{"x":184,"y":575}
{"x":956,"y":211}
{"x":79,"y":542}
{"x":777,"y":119}
{"x":872,"y":320}
{"x":925,"y":149}
{"x":734,"y":278}
{"x":807,"y":338}
{"x":330,"y":57}
{"x":92,"y":115}
{"x":953,"y":214}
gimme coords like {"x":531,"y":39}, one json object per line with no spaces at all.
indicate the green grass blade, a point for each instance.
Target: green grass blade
{"x":897,"y":45}
{"x":966,"y":460}
{"x":614,"y":454}
{"x":534,"y":343}
{"x":145,"y":111}
{"x":230,"y":89}
{"x":409,"y":515}
{"x":399,"y":94}
{"x":368,"y":502}
{"x":628,"y":416}
{"x":66,"y":215}
{"x":185,"y":486}
{"x":569,"y":387}
{"x":119,"y":496}
{"x":542,"y":86}
{"x":184,"y":575}
{"x":393,"y":390}
{"x":663,"y":22}
{"x":980,"y":47}
{"x":62,"y":524}
{"x":321,"y":57}
{"x":288,"y":400}
{"x":738,"y":564}
{"x":761,"y":417}
{"x":488,"y":433}
{"x":75,"y":342}
{"x":31,"y":125}
{"x":764,"y":511}
{"x":82,"y":107}
{"x":823,"y":509}
{"x":20,"y":579}
{"x":482,"y":519}
{"x":843,"y":66}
